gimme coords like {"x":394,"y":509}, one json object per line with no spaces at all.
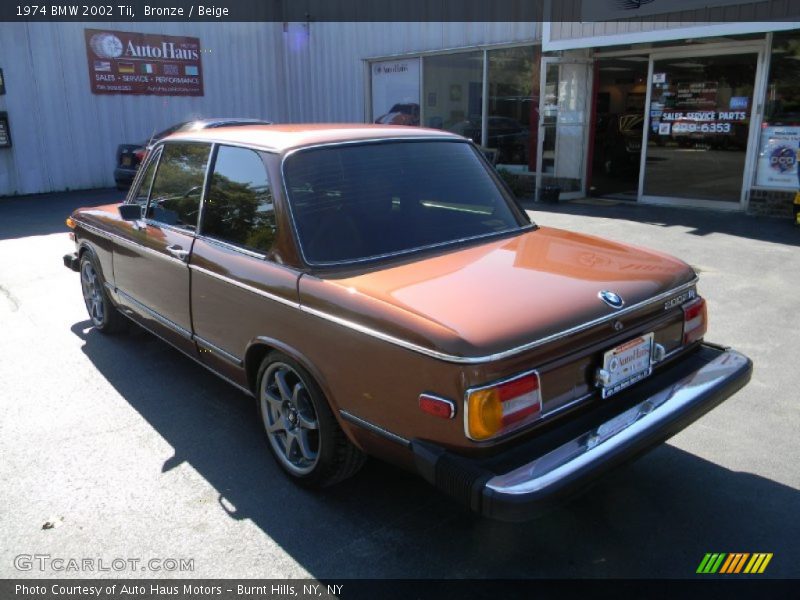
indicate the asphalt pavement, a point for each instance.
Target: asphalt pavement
{"x":119,"y":447}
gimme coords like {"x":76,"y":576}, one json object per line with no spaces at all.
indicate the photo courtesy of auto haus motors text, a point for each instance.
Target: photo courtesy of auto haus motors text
{"x":152,"y":589}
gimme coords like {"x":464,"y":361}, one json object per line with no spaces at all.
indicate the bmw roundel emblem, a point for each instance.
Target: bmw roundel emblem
{"x":612,"y":299}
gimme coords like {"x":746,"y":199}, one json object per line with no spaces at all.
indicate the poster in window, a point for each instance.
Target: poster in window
{"x":395,"y":92}
{"x":143,"y":64}
{"x":777,"y":158}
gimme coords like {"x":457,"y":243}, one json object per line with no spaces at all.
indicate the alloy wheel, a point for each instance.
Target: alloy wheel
{"x":290,"y":418}
{"x":92,"y":293}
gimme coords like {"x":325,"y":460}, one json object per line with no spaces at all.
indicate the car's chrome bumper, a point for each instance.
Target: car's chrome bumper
{"x":649,"y":415}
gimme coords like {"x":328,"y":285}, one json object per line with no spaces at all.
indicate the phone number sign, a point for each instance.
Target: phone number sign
{"x":143,"y":64}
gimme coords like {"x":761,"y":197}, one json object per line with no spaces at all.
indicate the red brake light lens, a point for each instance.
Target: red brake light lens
{"x":695,"y":320}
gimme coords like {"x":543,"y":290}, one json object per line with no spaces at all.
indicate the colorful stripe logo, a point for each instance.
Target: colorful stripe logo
{"x":734,"y":563}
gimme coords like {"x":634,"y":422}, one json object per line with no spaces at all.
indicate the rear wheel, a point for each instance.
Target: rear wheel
{"x":303,"y":434}
{"x":104,"y":315}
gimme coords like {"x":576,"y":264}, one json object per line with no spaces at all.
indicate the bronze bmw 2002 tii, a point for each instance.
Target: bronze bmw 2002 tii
{"x":379,"y":292}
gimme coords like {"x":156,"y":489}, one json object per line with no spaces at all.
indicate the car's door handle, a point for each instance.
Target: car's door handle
{"x":178,"y":251}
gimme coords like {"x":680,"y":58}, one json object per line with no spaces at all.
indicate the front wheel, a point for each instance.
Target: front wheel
{"x":302,"y":432}
{"x":104,"y":315}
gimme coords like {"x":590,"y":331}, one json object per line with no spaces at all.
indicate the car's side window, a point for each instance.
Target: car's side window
{"x":178,"y":184}
{"x":239,"y":208}
{"x":143,"y":193}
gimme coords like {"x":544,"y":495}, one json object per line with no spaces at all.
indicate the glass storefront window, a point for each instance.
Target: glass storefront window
{"x":779,"y":147}
{"x":395,"y":92}
{"x":514,"y":106}
{"x":452,"y":93}
{"x":699,"y":124}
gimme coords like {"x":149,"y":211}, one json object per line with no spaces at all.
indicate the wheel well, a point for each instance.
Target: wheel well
{"x":252,"y":361}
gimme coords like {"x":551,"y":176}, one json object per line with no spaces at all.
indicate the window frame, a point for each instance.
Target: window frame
{"x":153,"y":158}
{"x":212,"y":163}
{"x":523,"y":220}
{"x":204,"y":186}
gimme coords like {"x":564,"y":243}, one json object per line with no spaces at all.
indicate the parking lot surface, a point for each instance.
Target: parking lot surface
{"x":133,"y":451}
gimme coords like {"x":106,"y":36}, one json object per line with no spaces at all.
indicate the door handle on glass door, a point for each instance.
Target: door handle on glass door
{"x":178,"y":252}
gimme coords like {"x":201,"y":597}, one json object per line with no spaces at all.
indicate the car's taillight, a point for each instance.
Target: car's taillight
{"x":503,"y":407}
{"x":139,"y":154}
{"x":695,"y":320}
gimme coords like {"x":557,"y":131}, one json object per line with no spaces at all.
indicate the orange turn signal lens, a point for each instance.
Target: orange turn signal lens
{"x":70,"y":222}
{"x":504,"y":407}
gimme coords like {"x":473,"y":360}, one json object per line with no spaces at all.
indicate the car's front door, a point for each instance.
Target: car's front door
{"x":152,"y":275}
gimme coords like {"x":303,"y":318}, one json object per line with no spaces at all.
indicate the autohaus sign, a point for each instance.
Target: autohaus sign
{"x":145,"y":64}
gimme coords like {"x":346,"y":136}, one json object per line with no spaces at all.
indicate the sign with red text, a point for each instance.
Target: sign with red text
{"x":143,"y":64}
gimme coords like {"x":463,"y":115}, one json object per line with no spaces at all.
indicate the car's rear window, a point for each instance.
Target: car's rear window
{"x":358,"y":202}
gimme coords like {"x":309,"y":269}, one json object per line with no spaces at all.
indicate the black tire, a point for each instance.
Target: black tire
{"x":104,"y":315}
{"x":314,"y":457}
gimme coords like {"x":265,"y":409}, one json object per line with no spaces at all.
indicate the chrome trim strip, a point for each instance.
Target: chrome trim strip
{"x":472,"y":360}
{"x":245,"y":286}
{"x":232,"y":247}
{"x":447,"y":139}
{"x":185,"y":333}
{"x":231,"y":358}
{"x":579,"y":453}
{"x":249,"y":145}
{"x":194,"y":358}
{"x":131,"y":243}
{"x":374,"y":428}
{"x":154,"y":155}
{"x":210,"y":164}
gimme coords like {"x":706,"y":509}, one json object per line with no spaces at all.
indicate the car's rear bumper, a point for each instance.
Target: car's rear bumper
{"x":525,"y":481}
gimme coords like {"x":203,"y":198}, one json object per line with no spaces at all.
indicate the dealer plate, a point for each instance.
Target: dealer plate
{"x":626,"y":364}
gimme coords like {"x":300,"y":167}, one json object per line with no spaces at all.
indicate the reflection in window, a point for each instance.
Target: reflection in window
{"x":368,"y":200}
{"x":452,"y":93}
{"x":513,"y":105}
{"x":143,"y":193}
{"x":783,"y":90}
{"x":239,"y":208}
{"x":175,"y":198}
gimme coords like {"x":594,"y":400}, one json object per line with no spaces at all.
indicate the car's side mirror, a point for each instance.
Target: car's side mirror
{"x":130,"y":212}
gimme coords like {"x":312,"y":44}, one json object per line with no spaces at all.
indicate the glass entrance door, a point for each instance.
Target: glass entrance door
{"x":700,"y":119}
{"x":563,"y":122}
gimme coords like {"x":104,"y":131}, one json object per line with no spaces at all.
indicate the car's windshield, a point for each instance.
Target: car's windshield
{"x":361,"y":201}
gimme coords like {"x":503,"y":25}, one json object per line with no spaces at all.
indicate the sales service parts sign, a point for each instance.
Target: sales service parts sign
{"x":144,"y":64}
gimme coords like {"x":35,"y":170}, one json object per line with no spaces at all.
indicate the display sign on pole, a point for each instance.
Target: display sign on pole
{"x":777,"y":158}
{"x":395,"y":92}
{"x":143,"y":64}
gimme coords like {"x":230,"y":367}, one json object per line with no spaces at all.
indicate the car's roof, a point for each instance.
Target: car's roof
{"x":284,"y":137}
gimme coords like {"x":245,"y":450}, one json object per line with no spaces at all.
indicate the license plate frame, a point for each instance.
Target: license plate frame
{"x":627,"y":364}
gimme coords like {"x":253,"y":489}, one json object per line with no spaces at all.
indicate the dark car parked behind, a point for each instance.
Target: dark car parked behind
{"x":129,"y":156}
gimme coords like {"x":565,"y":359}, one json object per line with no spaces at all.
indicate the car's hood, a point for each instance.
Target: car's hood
{"x":499,"y":295}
